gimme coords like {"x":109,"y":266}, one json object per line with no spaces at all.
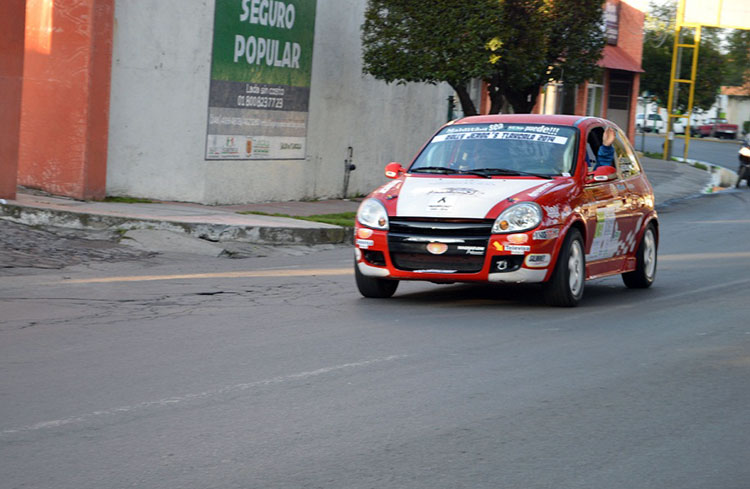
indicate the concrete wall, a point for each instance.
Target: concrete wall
{"x":159,"y":102}
{"x":738,"y":111}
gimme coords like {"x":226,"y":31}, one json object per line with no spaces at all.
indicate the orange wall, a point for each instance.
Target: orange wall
{"x":630,"y":34}
{"x":12,"y":14}
{"x":65,"y":107}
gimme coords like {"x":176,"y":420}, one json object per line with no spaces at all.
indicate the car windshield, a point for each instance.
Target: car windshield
{"x":500,"y":149}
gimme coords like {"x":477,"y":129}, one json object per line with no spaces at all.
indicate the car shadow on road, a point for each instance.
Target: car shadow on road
{"x":599,"y":293}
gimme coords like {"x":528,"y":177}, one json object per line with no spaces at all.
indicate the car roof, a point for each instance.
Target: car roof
{"x":555,"y":119}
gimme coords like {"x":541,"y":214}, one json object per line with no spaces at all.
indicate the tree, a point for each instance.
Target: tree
{"x":445,"y":41}
{"x":658,"y":44}
{"x":514,"y":45}
{"x":738,"y":58}
{"x":543,"y":40}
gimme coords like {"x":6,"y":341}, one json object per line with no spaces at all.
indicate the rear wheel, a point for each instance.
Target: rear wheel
{"x":565,"y":288}
{"x":645,"y":269}
{"x":373,"y":287}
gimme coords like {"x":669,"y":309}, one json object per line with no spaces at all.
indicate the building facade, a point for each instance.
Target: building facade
{"x":121,"y":98}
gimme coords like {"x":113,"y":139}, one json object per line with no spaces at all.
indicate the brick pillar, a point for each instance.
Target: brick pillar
{"x":65,"y":114}
{"x":12,"y":14}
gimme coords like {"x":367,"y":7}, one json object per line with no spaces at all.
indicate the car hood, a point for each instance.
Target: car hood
{"x":471,"y":198}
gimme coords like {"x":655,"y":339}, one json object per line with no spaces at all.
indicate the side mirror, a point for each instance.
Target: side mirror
{"x":601,"y":174}
{"x":394,"y":170}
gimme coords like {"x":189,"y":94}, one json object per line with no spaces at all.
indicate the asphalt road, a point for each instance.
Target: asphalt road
{"x":718,"y":152}
{"x":188,"y":372}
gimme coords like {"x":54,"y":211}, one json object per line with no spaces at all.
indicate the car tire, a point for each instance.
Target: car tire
{"x":373,"y":287}
{"x":645,"y":269}
{"x":565,"y":287}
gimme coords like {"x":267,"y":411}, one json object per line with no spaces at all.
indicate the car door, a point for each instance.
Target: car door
{"x":633,"y":190}
{"x":606,"y":215}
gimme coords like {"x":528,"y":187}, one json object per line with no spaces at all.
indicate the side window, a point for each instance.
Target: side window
{"x":625,"y":159}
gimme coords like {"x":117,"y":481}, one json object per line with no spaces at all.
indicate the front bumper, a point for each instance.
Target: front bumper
{"x":453,"y":252}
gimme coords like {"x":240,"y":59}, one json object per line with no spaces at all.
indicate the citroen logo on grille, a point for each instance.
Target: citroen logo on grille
{"x":437,"y":248}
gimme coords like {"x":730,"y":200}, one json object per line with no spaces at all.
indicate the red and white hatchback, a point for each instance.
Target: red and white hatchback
{"x":511,"y":199}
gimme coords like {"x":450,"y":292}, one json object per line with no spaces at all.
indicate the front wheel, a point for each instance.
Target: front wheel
{"x":373,"y":287}
{"x":645,"y":269}
{"x":565,"y":287}
{"x":742,"y":174}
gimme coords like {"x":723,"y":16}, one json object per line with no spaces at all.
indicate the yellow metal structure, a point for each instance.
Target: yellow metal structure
{"x":674,"y":80}
{"x":733,"y":14}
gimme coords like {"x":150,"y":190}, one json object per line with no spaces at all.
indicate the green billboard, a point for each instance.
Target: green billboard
{"x":260,"y":79}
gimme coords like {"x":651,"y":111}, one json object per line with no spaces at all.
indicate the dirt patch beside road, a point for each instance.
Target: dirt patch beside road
{"x":24,"y":246}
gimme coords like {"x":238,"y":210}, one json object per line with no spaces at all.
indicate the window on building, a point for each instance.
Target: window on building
{"x":620,"y":83}
{"x":595,"y":99}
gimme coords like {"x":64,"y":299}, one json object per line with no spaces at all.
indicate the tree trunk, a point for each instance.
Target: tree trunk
{"x":495,"y":93}
{"x":522,"y":101}
{"x":467,"y":105}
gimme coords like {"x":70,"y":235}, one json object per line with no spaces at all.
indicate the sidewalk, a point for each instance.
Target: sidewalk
{"x":671,"y":181}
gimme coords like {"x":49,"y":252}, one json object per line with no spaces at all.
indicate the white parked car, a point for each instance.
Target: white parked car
{"x":654,"y":123}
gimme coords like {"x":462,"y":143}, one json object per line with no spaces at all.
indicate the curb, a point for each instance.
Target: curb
{"x":720,"y":176}
{"x":211,"y":232}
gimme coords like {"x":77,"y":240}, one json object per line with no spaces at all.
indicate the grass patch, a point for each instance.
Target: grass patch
{"x":343,"y":219}
{"x":700,"y":166}
{"x":128,"y":200}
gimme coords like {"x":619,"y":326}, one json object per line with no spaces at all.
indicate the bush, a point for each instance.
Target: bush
{"x":746,"y":127}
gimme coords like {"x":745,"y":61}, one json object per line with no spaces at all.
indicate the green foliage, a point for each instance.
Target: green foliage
{"x":738,"y":58}
{"x":658,"y":44}
{"x":343,"y":219}
{"x":407,"y":41}
{"x":128,"y":200}
{"x":701,"y":166}
{"x":544,"y":40}
{"x":515,"y":45}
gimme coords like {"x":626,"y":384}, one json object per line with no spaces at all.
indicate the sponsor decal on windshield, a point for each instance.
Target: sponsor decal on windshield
{"x":506,"y":135}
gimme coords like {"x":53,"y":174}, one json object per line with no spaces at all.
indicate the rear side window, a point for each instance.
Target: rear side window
{"x":625,"y":159}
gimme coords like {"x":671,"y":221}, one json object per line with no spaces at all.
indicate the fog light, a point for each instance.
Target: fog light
{"x":364,"y":233}
{"x":518,"y":238}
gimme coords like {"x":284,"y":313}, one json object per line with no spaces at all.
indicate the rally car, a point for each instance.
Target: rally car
{"x":511,"y":199}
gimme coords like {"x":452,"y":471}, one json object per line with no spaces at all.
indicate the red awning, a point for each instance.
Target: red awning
{"x":615,"y":58}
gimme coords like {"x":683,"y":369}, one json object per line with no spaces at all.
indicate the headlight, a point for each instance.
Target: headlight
{"x":517,"y":218}
{"x":745,"y":151}
{"x":372,"y":214}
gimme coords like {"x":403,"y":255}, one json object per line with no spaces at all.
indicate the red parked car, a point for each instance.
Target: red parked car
{"x":511,"y":199}
{"x":716,"y":128}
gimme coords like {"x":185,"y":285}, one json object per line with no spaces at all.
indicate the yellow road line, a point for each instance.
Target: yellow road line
{"x":342,"y":271}
{"x":195,"y":276}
